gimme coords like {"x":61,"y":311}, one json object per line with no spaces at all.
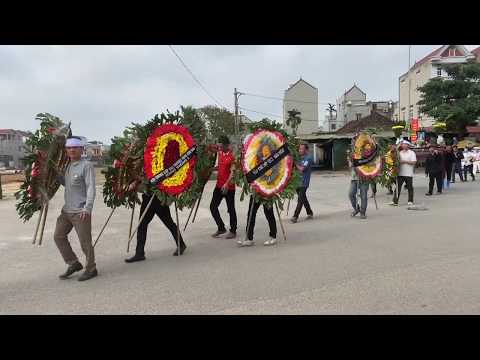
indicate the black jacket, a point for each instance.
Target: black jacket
{"x":449,"y":158}
{"x":458,"y":157}
{"x":434,"y":164}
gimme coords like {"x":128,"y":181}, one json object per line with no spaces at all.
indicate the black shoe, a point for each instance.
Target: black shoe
{"x":428,"y":194}
{"x":182,"y":250}
{"x":218,"y":233}
{"x":135,"y":258}
{"x":71,"y":269}
{"x":87,"y":275}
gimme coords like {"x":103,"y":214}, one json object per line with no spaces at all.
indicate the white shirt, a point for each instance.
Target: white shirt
{"x":467,"y":155}
{"x":406,"y":169}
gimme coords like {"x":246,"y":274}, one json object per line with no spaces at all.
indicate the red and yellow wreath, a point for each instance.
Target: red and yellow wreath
{"x":365,"y":148}
{"x":165,"y":145}
{"x":257,"y":147}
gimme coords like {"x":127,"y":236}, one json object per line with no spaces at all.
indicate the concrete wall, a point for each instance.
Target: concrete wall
{"x":308,"y":107}
{"x":13,"y":145}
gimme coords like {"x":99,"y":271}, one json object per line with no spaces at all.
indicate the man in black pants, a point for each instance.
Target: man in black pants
{"x":163,"y":212}
{"x":449,"y":158}
{"x":407,"y":160}
{"x":434,"y":170}
{"x":305,"y":167}
{"x":225,"y":188}
{"x":272,"y":224}
{"x":457,"y":167}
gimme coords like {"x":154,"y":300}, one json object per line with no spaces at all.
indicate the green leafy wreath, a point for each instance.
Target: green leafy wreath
{"x":45,"y":156}
{"x":290,"y":190}
{"x":127,"y":152}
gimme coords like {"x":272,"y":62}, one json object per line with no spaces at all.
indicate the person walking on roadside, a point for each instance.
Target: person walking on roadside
{"x":79,"y":183}
{"x":476,"y":163}
{"x":225,"y":188}
{"x":407,"y":160}
{"x":457,"y":167}
{"x":357,"y":185}
{"x":449,"y":159}
{"x":434,"y":170}
{"x":305,"y":167}
{"x":469,"y":159}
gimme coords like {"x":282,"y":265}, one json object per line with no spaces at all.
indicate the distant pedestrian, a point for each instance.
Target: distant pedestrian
{"x":358,"y":185}
{"x":469,"y":159}
{"x":476,"y":163}
{"x":434,"y":169}
{"x":458,"y":165}
{"x":305,"y":167}
{"x":449,"y":162}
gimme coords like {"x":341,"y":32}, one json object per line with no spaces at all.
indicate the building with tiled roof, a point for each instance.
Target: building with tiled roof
{"x":12,"y":147}
{"x":430,"y":66}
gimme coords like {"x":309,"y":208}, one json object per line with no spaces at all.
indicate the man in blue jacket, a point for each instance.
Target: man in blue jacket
{"x":305,"y":167}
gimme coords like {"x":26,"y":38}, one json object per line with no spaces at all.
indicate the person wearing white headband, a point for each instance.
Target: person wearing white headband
{"x":79,"y":183}
{"x":407,"y":160}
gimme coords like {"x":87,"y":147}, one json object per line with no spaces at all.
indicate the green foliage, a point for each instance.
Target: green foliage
{"x":218,"y":121}
{"x":129,"y":149}
{"x":455,"y":101}
{"x":295,"y":180}
{"x":294,"y":120}
{"x":45,"y":154}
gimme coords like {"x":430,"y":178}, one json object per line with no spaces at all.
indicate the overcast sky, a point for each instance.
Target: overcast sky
{"x":102,"y":89}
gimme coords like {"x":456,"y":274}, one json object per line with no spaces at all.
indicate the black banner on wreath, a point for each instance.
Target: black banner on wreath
{"x":366,"y":160}
{"x":177,"y":165}
{"x":268,"y":163}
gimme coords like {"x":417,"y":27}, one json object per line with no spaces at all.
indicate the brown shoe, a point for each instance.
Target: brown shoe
{"x":71,"y":269}
{"x":218,"y":233}
{"x":231,"y":235}
{"x":87,"y":275}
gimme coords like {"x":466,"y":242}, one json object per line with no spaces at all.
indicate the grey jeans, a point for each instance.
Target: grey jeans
{"x":354,"y":186}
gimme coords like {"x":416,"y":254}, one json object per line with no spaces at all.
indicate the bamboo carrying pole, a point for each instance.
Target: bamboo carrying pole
{"x":250,"y":210}
{"x":44,"y":220}
{"x":196,"y":209}
{"x":131,"y":221}
{"x":189,"y":215}
{"x":104,"y":226}
{"x":140,"y":221}
{"x":40,"y":215}
{"x":281,"y":223}
{"x":178,"y":229}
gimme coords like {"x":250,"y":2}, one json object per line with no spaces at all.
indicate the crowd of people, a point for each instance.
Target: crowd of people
{"x":441,"y":166}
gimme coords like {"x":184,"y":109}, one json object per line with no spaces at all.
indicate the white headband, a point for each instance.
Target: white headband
{"x":73,"y":142}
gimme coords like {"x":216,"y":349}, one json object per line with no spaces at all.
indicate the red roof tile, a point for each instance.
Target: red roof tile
{"x":428,"y":57}
{"x":476,"y":52}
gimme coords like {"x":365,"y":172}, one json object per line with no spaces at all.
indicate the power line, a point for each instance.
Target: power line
{"x":270,"y":114}
{"x":195,"y":78}
{"x":286,"y":100}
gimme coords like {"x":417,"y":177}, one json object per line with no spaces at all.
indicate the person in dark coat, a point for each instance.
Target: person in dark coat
{"x":434,"y":170}
{"x":449,"y":158}
{"x":458,"y":155}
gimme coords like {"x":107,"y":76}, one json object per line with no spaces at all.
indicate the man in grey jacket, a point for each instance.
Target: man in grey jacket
{"x":79,"y":183}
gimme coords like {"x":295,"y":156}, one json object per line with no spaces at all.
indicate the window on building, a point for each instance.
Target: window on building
{"x":359,"y":116}
{"x":19,"y":148}
{"x":334,"y":126}
{"x":439,"y":71}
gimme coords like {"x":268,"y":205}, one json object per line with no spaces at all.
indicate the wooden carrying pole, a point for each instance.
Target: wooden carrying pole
{"x":281,"y":223}
{"x":45,"y":212}
{"x":104,"y":226}
{"x":140,"y":221}
{"x":190,"y":214}
{"x":131,"y":221}
{"x":178,"y":229}
{"x":40,"y":215}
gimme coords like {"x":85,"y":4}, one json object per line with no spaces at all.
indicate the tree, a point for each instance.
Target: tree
{"x":219,"y":121}
{"x":294,"y":120}
{"x":455,"y":100}
{"x":331,"y":109}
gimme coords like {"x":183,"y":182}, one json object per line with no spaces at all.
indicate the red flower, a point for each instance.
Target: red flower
{"x":51,"y":130}
{"x":118,"y":164}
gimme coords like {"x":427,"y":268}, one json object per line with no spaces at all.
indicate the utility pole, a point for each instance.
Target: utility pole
{"x":236,"y":95}
{"x":409,"y":88}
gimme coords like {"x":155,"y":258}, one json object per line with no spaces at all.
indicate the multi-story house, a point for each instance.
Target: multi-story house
{"x":12,"y":148}
{"x":421,"y":72}
{"x":303,"y":97}
{"x":352,"y":105}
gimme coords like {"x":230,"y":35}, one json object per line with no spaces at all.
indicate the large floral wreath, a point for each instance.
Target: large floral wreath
{"x":45,"y":157}
{"x":279,"y":182}
{"x":129,"y":150}
{"x":366,"y":157}
{"x":164,"y":147}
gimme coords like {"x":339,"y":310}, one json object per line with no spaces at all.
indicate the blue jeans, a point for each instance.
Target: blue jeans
{"x":354,"y":185}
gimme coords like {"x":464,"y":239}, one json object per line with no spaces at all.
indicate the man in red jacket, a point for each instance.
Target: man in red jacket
{"x":225,"y":188}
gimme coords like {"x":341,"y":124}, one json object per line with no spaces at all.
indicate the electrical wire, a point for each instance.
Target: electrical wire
{"x":195,"y":78}
{"x":270,"y":114}
{"x":286,"y":100}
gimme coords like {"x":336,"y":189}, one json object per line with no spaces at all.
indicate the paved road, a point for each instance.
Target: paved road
{"x":396,"y":262}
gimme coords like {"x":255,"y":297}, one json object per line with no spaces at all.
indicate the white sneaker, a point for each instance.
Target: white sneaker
{"x":272,"y":241}
{"x":247,"y":243}
{"x":410,"y":203}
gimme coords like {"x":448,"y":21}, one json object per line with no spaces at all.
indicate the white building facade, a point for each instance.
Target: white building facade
{"x":303,"y":97}
{"x":352,"y":105}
